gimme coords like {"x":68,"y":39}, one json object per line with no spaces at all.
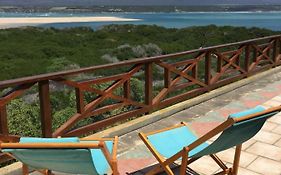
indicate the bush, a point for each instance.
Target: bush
{"x":24,"y":119}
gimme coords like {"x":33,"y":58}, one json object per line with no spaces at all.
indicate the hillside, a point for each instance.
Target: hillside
{"x":30,"y":51}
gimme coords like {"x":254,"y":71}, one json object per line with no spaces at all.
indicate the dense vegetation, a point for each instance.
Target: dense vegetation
{"x":30,"y":51}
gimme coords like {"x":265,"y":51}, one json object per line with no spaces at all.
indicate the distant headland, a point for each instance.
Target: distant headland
{"x":210,"y":8}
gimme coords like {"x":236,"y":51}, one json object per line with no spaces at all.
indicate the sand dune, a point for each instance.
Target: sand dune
{"x":24,"y":21}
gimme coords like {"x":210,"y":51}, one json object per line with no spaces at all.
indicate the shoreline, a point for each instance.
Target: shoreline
{"x":11,"y":22}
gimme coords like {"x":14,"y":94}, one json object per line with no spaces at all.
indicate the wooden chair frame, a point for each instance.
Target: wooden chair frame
{"x":185,"y":161}
{"x":111,"y":159}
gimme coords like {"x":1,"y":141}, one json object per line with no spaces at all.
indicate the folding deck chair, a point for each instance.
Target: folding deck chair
{"x":67,"y":155}
{"x":178,"y":142}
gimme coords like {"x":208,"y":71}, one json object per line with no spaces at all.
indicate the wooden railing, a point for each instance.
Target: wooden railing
{"x":179,"y":77}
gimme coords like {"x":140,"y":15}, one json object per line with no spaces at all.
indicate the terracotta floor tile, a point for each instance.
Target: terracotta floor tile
{"x":244,"y":171}
{"x":269,"y":126}
{"x":267,"y":137}
{"x":277,"y":130}
{"x":265,"y":166}
{"x":205,"y":165}
{"x":278,"y":143}
{"x":265,"y":150}
{"x":248,"y":143}
{"x":276,"y":118}
{"x":228,"y":156}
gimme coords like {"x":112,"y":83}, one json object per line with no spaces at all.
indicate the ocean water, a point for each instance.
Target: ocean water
{"x":269,"y":20}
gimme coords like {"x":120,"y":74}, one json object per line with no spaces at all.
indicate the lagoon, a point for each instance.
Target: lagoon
{"x":269,"y":20}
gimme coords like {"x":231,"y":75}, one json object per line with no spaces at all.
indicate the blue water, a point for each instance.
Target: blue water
{"x":269,"y":20}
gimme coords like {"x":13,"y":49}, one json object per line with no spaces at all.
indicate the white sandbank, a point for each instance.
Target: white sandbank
{"x":8,"y":22}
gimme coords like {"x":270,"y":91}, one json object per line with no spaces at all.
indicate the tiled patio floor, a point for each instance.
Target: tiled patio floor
{"x":260,"y":156}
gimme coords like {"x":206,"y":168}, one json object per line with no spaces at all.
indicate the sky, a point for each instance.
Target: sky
{"x":131,"y":2}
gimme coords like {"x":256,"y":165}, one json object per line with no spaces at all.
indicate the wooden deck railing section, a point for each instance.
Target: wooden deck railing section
{"x":183,"y":76}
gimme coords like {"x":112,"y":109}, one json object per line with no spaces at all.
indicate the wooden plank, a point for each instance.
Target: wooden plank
{"x":167,"y":78}
{"x":116,"y":97}
{"x":148,"y":84}
{"x":127,"y":89}
{"x":5,"y":157}
{"x":67,"y":125}
{"x":184,"y":62}
{"x":219,"y":63}
{"x":15,"y":92}
{"x":48,"y":145}
{"x":208,"y":68}
{"x":182,"y":86}
{"x":230,"y":62}
{"x":106,"y":108}
{"x":255,"y":52}
{"x":45,"y":108}
{"x":279,"y":45}
{"x":195,"y":71}
{"x":275,"y":52}
{"x":9,"y":138}
{"x":160,"y":96}
{"x":102,"y":79}
{"x":181,"y":97}
{"x":180,"y":73}
{"x":247,"y":58}
{"x":106,"y":122}
{"x":257,"y":114}
{"x":79,"y":100}
{"x":3,"y":120}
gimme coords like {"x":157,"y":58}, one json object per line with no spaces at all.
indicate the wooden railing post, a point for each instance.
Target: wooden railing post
{"x":167,"y":78}
{"x":148,"y":84}
{"x":79,"y":100}
{"x":45,"y":108}
{"x":208,"y":68}
{"x":127,"y":89}
{"x":247,"y":58}
{"x":279,"y":45}
{"x":219,"y":64}
{"x":275,"y":52}
{"x":3,"y":120}
{"x":255,"y":53}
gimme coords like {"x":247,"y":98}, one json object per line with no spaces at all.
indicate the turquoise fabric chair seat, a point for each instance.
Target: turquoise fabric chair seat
{"x":170,"y":142}
{"x":75,"y":161}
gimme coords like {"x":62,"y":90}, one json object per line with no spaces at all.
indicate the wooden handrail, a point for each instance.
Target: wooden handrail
{"x":267,"y":111}
{"x":49,"y":76}
{"x":49,"y":145}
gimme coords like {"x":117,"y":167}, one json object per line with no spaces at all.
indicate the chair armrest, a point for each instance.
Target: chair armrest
{"x":114,"y":150}
{"x":48,"y":145}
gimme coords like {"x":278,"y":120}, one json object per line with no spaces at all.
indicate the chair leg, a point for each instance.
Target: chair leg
{"x":236,"y":159}
{"x":184,"y":161}
{"x":219,"y":162}
{"x":115,"y":168}
{"x":168,"y":170}
{"x":25,"y":170}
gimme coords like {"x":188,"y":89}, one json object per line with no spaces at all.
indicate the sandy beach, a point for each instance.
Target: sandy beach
{"x":25,"y":21}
